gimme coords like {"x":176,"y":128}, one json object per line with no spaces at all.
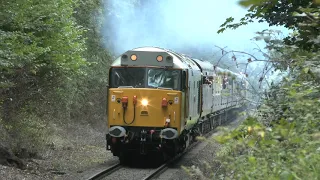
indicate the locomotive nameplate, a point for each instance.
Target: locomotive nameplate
{"x":146,"y":58}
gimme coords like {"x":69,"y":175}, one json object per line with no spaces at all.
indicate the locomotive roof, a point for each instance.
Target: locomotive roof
{"x":178,"y":60}
{"x":205,"y":65}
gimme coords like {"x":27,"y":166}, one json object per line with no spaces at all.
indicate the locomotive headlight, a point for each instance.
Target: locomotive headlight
{"x":159,"y":58}
{"x":144,"y":102}
{"x":133,"y":57}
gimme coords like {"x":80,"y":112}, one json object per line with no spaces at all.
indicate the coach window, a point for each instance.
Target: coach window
{"x":224,"y":83}
{"x":207,"y":80}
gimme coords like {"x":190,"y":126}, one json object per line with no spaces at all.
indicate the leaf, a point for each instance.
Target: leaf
{"x":251,"y":143}
{"x":293,"y":92}
{"x":285,"y":175}
{"x":299,"y":14}
{"x":252,"y":159}
{"x":257,"y":38}
{"x":267,"y":38}
{"x":247,"y":3}
{"x":229,"y":19}
{"x":221,"y":30}
{"x":296,"y":140}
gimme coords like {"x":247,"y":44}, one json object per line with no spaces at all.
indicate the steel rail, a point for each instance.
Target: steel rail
{"x":106,"y":172}
{"x":165,"y":166}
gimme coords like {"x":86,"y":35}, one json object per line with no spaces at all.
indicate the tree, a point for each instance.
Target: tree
{"x":281,"y":139}
{"x":40,"y":45}
{"x":303,"y":16}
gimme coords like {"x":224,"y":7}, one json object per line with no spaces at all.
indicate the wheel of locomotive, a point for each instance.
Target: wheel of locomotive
{"x":200,"y":130}
{"x":160,"y":157}
{"x":170,"y":148}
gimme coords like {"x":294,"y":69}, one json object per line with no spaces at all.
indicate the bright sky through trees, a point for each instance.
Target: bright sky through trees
{"x":177,"y":24}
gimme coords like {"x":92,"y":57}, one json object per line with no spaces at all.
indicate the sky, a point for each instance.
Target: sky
{"x":181,"y":25}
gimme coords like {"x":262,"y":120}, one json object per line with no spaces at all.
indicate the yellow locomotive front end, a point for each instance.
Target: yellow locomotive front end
{"x":139,"y":107}
{"x":145,"y":104}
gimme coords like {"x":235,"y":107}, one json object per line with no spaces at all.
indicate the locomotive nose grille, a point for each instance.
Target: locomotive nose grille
{"x":144,"y":113}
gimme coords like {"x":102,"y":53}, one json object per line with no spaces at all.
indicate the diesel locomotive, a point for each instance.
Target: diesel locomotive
{"x":160,"y":100}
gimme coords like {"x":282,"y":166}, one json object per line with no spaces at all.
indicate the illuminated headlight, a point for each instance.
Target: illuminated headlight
{"x":144,"y":102}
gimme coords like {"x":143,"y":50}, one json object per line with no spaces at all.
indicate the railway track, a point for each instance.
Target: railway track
{"x":106,"y":172}
{"x":165,"y":166}
{"x":156,"y":172}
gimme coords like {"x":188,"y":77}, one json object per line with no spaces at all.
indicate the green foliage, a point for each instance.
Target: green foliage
{"x":285,"y":148}
{"x":41,"y":45}
{"x":301,"y":16}
{"x":282,"y":141}
{"x":90,"y":104}
{"x":29,"y":132}
{"x":248,"y":3}
{"x":53,"y":67}
{"x":40,"y":38}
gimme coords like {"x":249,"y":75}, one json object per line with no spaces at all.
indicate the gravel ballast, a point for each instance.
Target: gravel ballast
{"x":80,"y":162}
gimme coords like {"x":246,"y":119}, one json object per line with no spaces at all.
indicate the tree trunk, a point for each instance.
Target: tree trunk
{"x":7,"y":158}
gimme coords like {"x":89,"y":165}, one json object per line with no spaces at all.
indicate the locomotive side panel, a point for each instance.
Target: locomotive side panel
{"x":207,"y":86}
{"x":194,"y":77}
{"x":207,"y":99}
{"x":220,"y":97}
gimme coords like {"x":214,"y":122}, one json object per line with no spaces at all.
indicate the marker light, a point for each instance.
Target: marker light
{"x":144,"y":102}
{"x":134,"y":99}
{"x":159,"y":58}
{"x":133,"y":57}
{"x":164,"y":102}
{"x":124,"y":101}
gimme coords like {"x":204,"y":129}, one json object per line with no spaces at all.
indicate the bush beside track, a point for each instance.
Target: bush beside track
{"x":276,"y":143}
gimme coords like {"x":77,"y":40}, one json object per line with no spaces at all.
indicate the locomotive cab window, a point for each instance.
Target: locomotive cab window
{"x":141,"y":77}
{"x":164,"y":78}
{"x":134,"y":77}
